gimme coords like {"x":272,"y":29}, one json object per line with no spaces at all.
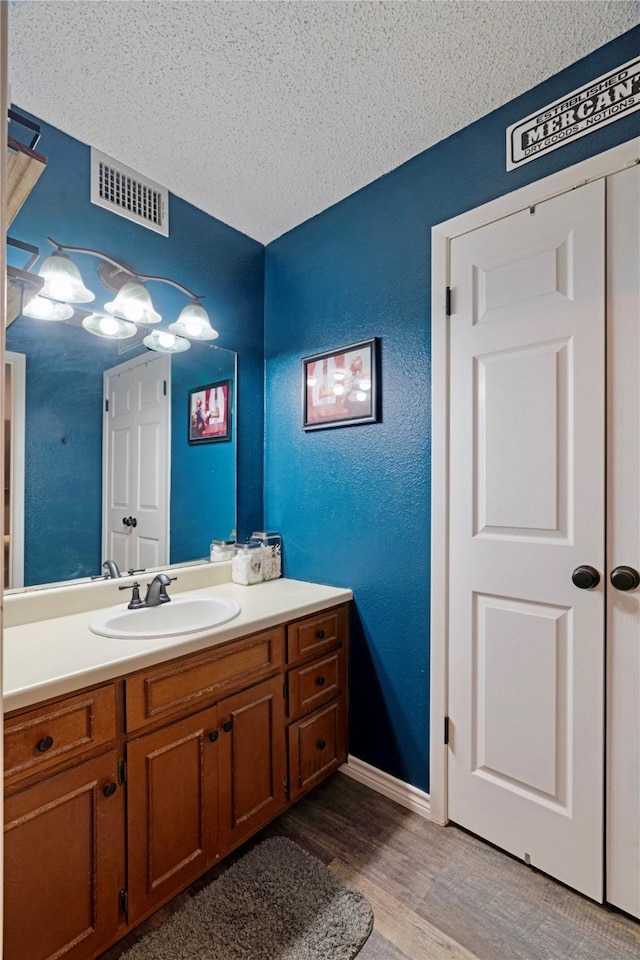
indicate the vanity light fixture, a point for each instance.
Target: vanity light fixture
{"x":62,"y":280}
{"x":132,"y":303}
{"x":164,"y":342}
{"x":112,"y":328}
{"x":42,"y":309}
{"x":193,"y":323}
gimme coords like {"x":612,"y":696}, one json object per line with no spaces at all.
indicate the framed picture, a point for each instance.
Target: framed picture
{"x":340,"y":388}
{"x":210,"y":412}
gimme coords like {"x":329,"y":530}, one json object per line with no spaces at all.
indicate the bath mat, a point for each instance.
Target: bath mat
{"x":276,"y":903}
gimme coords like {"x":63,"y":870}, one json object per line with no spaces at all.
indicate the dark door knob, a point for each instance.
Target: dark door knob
{"x":109,"y":789}
{"x":126,"y":521}
{"x":213,"y":736}
{"x":585,"y":577}
{"x":625,"y":578}
{"x":45,"y":744}
{"x":227,"y":726}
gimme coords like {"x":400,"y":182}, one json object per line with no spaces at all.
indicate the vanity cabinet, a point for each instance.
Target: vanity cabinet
{"x":200,"y":787}
{"x":317,"y":684}
{"x":121,"y":795}
{"x":64,"y":863}
{"x":172,"y":789}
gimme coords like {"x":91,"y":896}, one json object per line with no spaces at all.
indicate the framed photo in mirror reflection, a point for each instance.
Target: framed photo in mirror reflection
{"x":210,"y":412}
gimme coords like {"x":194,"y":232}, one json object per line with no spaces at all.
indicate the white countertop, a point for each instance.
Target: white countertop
{"x":49,"y":658}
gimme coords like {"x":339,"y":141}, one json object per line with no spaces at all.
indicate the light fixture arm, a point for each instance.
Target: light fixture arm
{"x":124,"y":267}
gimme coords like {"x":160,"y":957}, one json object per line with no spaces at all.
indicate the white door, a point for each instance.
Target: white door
{"x":137,"y":463}
{"x":526,"y":646}
{"x":623,"y":541}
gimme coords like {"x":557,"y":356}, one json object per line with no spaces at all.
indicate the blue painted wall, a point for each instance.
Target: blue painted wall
{"x":353,"y":504}
{"x":204,"y":255}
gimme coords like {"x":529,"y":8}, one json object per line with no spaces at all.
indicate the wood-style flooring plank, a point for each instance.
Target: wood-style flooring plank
{"x":399,"y":925}
{"x":438,"y":893}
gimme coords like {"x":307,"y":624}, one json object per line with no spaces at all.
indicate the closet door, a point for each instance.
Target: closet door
{"x":623,"y":541}
{"x":527,"y":451}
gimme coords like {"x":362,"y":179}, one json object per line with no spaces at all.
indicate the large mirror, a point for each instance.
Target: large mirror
{"x":55,"y":432}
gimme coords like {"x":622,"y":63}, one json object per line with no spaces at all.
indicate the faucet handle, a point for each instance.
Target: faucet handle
{"x":135,"y":601}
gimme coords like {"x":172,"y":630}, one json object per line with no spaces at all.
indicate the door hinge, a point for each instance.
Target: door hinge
{"x":122,"y":771}
{"x":448,"y":302}
{"x":285,"y":783}
{"x":446,"y":730}
{"x":164,"y":388}
{"x":284,"y":686}
{"x":123,"y":900}
{"x":106,"y":406}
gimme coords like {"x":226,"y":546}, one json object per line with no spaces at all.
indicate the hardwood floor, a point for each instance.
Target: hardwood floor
{"x":436,"y":892}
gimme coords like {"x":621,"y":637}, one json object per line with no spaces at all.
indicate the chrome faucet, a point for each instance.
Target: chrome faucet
{"x":110,"y":571}
{"x":157,"y":590}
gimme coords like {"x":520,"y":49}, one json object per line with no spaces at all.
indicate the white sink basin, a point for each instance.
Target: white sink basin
{"x":182,"y":615}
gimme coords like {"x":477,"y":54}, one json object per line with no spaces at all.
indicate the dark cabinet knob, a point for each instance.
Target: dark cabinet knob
{"x":45,"y":744}
{"x":625,"y":578}
{"x":213,"y":736}
{"x":585,"y":577}
{"x":109,"y":789}
{"x":126,"y":521}
{"x":227,"y":726}
{"x":321,"y":744}
{"x":320,"y":634}
{"x":320,"y":681}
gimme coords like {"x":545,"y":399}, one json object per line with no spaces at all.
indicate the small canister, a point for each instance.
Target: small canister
{"x":271,"y":543}
{"x":246,"y":566}
{"x":221,"y":550}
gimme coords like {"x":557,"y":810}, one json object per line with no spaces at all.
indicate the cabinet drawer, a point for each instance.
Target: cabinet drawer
{"x":40,"y":738}
{"x":316,"y":635}
{"x":316,"y":683}
{"x":317,"y":745}
{"x":184,"y":685}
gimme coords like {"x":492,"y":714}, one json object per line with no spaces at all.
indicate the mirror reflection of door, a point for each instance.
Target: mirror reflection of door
{"x":14,"y":420}
{"x":136,"y":463}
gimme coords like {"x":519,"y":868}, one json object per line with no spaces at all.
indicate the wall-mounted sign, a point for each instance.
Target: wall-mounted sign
{"x":615,"y":94}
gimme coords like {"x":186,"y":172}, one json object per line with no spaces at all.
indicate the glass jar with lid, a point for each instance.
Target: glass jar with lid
{"x":271,"y":543}
{"x":246,"y":566}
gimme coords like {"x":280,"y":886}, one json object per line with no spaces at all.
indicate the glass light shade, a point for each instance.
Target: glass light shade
{"x":164,"y":342}
{"x":42,"y":309}
{"x":193,"y":323}
{"x":110,"y":327}
{"x":133,"y":303}
{"x":62,"y":280}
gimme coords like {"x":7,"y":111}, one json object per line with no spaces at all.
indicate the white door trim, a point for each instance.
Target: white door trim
{"x":602,"y":165}
{"x":18,"y":426}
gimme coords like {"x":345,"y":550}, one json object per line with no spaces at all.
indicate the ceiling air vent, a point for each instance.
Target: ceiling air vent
{"x":120,"y":189}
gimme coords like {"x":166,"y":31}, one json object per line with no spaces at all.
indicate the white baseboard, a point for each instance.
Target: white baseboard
{"x":403,"y":793}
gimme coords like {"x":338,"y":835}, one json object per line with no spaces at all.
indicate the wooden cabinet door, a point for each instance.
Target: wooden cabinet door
{"x":317,"y":747}
{"x":252,"y":761}
{"x":172,"y":809}
{"x":64,"y":864}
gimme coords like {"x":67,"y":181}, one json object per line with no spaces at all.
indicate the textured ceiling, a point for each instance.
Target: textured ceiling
{"x":265,"y":113}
